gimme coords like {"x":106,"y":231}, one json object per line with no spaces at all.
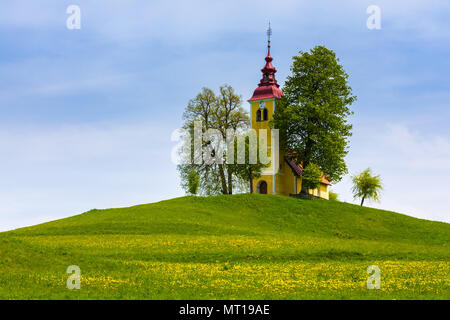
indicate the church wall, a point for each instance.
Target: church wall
{"x":299,"y":185}
{"x":314,"y":192}
{"x":257,"y":125}
{"x":284,"y":179}
{"x":267,"y":179}
{"x":261,"y":124}
{"x":324,"y":191}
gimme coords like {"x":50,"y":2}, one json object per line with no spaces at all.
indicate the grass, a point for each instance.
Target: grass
{"x":229,"y":247}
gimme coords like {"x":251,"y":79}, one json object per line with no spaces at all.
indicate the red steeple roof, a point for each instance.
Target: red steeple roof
{"x":268,"y":86}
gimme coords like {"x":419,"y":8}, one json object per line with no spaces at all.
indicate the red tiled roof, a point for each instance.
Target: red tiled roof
{"x":297,"y":169}
{"x":268,"y":87}
{"x":266,"y":92}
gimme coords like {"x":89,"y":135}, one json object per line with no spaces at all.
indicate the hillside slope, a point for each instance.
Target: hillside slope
{"x":241,"y":246}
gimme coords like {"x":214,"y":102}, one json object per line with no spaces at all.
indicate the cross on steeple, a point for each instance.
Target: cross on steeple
{"x":269,"y":33}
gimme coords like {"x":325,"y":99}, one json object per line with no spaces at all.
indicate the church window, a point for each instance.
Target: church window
{"x":258,"y":115}
{"x":265,"y":115}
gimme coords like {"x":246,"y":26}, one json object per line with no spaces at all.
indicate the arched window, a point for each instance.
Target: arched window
{"x":258,"y":115}
{"x":265,"y":115}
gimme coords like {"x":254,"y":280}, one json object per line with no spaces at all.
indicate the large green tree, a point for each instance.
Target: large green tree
{"x":313,"y":114}
{"x":200,"y":108}
{"x":222,"y":112}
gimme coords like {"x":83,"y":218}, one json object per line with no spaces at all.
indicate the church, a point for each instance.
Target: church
{"x":283,"y":176}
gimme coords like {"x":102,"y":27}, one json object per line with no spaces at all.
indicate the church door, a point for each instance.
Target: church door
{"x":263,"y":187}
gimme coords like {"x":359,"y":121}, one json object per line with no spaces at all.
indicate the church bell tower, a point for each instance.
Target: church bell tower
{"x":262,"y":109}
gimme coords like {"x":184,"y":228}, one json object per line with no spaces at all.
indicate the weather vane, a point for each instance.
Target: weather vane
{"x":269,"y":32}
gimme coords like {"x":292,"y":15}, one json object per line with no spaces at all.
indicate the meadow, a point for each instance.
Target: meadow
{"x":229,"y":247}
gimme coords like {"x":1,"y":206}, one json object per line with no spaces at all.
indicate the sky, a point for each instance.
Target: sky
{"x":87,"y":114}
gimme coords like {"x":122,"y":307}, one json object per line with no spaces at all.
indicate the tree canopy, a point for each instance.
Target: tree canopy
{"x":222,"y":112}
{"x":312,"y":116}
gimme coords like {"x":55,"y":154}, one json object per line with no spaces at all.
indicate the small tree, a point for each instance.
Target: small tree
{"x":366,"y":186}
{"x":193,"y":182}
{"x":311,"y":177}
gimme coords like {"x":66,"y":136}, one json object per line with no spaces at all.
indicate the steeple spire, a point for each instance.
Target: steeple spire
{"x":268,"y":86}
{"x":268,"y":70}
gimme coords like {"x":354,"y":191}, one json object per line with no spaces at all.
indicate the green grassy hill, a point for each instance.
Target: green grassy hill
{"x":241,"y":246}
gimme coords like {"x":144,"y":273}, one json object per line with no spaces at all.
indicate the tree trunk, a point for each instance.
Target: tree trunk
{"x":250,"y":179}
{"x":305,"y":157}
{"x":223,"y":179}
{"x":362,"y":200}
{"x":303,"y":189}
{"x":230,"y":182}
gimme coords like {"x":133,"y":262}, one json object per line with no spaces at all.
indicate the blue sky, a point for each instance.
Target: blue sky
{"x":87,"y":115}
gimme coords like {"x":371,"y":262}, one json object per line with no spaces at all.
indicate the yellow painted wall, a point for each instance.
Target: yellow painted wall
{"x":285,"y":183}
{"x":262,"y":124}
{"x":313,"y":192}
{"x":267,"y":179}
{"x":284,"y":178}
{"x":257,"y":125}
{"x":299,"y":185}
{"x":324,"y":191}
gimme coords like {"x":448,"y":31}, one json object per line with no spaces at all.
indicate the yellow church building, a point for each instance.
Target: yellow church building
{"x":283,"y":176}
